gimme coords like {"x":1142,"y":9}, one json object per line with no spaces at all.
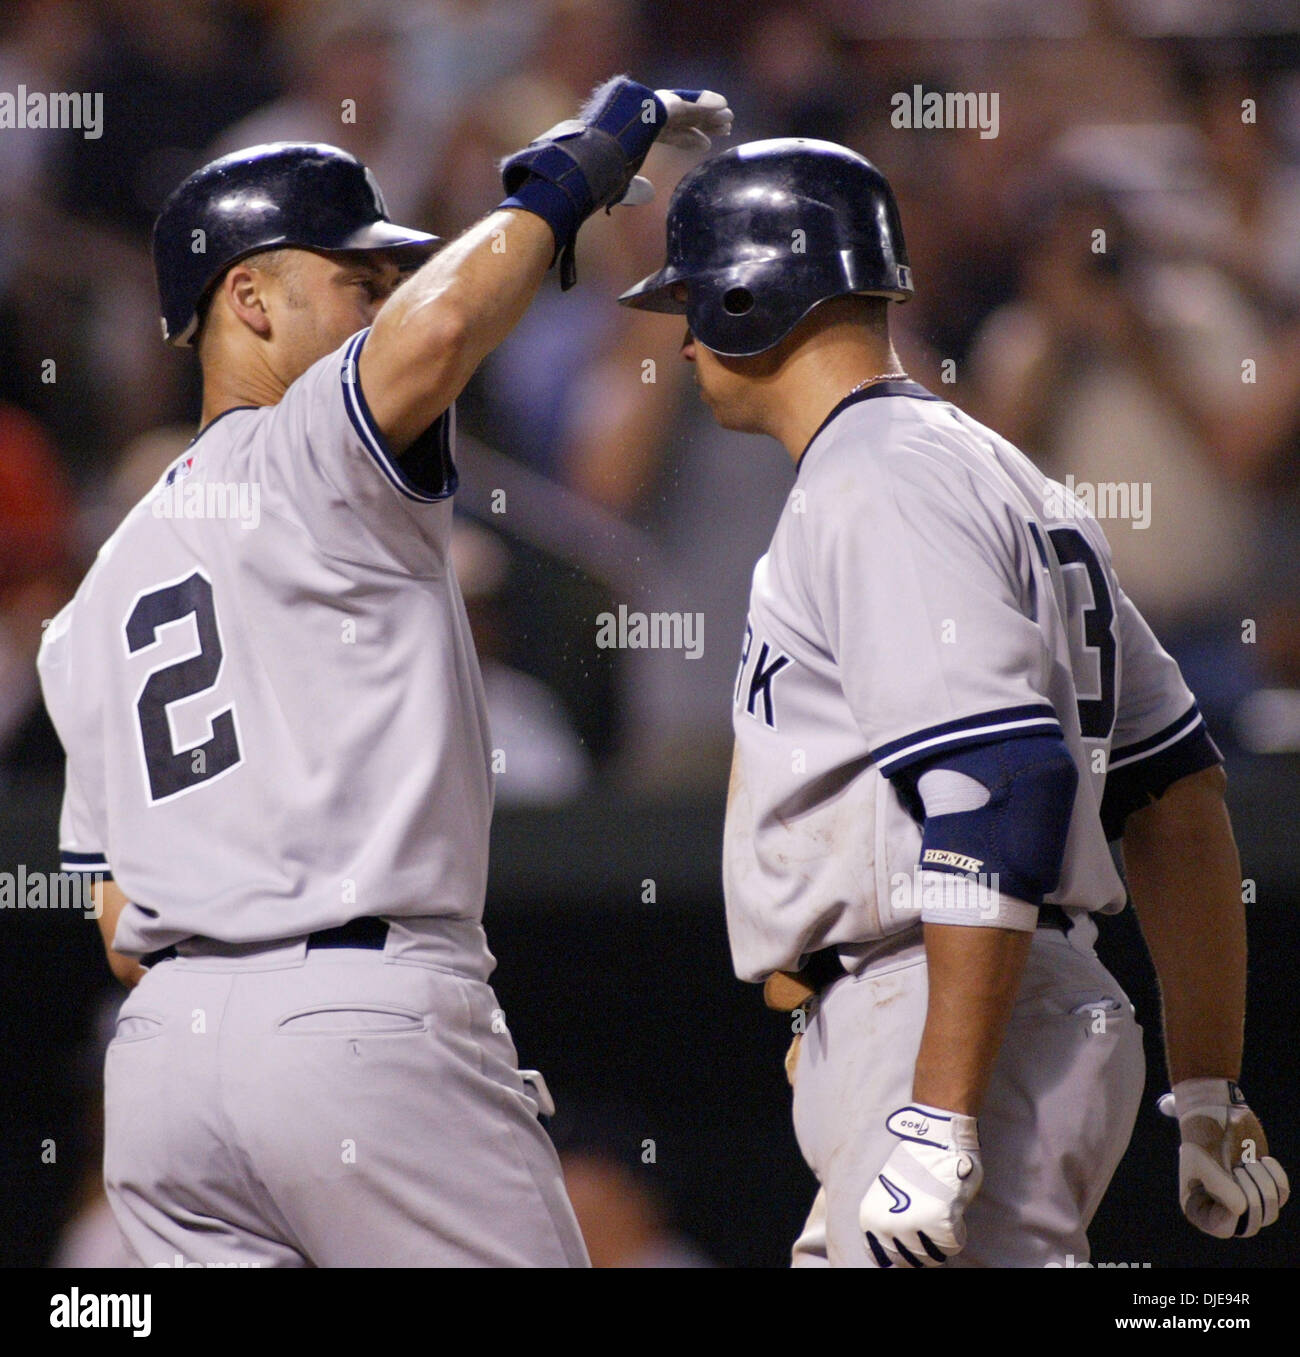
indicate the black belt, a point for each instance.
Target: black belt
{"x":368,"y":932}
{"x":825,"y":967}
{"x":1053,"y":916}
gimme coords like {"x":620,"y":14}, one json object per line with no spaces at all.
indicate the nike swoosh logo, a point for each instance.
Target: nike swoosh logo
{"x":901,"y":1200}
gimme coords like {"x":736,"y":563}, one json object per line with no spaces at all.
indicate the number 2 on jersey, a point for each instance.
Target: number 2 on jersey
{"x":172,"y":771}
{"x":1096,"y":711}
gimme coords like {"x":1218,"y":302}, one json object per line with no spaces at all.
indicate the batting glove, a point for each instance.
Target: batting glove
{"x":1228,"y":1183}
{"x":690,"y":120}
{"x":693,"y":118}
{"x":912,"y":1213}
{"x":591,"y":161}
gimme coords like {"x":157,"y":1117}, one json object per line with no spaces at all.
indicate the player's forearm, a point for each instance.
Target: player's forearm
{"x":1184,"y":877}
{"x":477,"y":288}
{"x":442,"y":322}
{"x":974,"y":976}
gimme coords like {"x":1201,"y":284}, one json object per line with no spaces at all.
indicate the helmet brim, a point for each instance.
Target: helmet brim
{"x":655,"y":293}
{"x":385,"y":235}
{"x":735,"y":335}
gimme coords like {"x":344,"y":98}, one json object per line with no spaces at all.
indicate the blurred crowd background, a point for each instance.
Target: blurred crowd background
{"x":1170,"y":359}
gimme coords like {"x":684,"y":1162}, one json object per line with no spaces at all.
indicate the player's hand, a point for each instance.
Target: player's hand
{"x":690,"y":120}
{"x":693,"y":118}
{"x":591,"y":161}
{"x":912,"y":1213}
{"x":1228,"y":1183}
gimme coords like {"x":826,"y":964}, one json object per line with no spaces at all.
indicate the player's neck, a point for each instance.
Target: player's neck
{"x":229,"y":385}
{"x":817,"y":376}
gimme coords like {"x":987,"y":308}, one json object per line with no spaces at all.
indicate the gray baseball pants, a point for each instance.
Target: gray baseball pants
{"x":1056,"y":1121}
{"x":275,"y":1106}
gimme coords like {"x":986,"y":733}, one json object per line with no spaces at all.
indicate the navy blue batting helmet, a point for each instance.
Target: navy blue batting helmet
{"x":762,"y":233}
{"x":285,"y":193}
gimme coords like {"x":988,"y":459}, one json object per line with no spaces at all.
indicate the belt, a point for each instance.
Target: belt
{"x":1053,"y":916}
{"x":367,"y":932}
{"x":788,"y":990}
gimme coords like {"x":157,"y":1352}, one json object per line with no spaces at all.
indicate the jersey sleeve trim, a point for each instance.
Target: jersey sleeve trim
{"x":70,"y":861}
{"x":1162,"y":739}
{"x":373,"y":440}
{"x":892,"y":757}
{"x":1148,"y":768}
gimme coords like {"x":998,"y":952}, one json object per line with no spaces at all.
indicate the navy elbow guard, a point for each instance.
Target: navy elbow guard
{"x":997,"y":810}
{"x":585,"y":163}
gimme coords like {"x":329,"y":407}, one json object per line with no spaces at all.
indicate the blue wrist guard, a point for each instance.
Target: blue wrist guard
{"x":585,"y":163}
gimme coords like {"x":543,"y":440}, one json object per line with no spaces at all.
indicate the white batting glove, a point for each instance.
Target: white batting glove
{"x":1228,"y":1183}
{"x":912,"y":1213}
{"x":695,"y":117}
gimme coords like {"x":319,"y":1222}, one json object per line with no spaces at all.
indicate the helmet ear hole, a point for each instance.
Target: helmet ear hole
{"x":737,"y":301}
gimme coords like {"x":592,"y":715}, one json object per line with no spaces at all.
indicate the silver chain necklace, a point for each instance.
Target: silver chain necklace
{"x":869,"y":381}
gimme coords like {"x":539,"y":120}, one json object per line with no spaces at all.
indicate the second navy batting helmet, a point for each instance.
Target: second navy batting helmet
{"x":285,"y":193}
{"x":760,"y":234}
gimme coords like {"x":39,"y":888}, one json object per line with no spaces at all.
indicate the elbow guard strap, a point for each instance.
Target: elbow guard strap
{"x":997,"y":811}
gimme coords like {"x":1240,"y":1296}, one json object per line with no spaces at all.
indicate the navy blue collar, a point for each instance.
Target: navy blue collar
{"x":222,"y":415}
{"x":890,"y":387}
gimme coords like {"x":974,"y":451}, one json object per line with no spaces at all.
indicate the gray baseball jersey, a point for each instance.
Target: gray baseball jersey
{"x":266,"y":685}
{"x":926,"y":588}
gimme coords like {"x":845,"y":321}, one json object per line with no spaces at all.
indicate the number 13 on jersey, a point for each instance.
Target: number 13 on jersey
{"x":1091,"y":615}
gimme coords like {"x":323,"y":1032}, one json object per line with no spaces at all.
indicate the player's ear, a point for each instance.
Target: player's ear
{"x":245,"y":289}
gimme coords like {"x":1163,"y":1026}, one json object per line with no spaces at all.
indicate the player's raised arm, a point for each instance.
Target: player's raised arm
{"x":1184,"y":877}
{"x":435,"y":330}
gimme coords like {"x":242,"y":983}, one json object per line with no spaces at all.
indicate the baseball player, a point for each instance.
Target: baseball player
{"x":275,"y":730}
{"x":945,"y":708}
